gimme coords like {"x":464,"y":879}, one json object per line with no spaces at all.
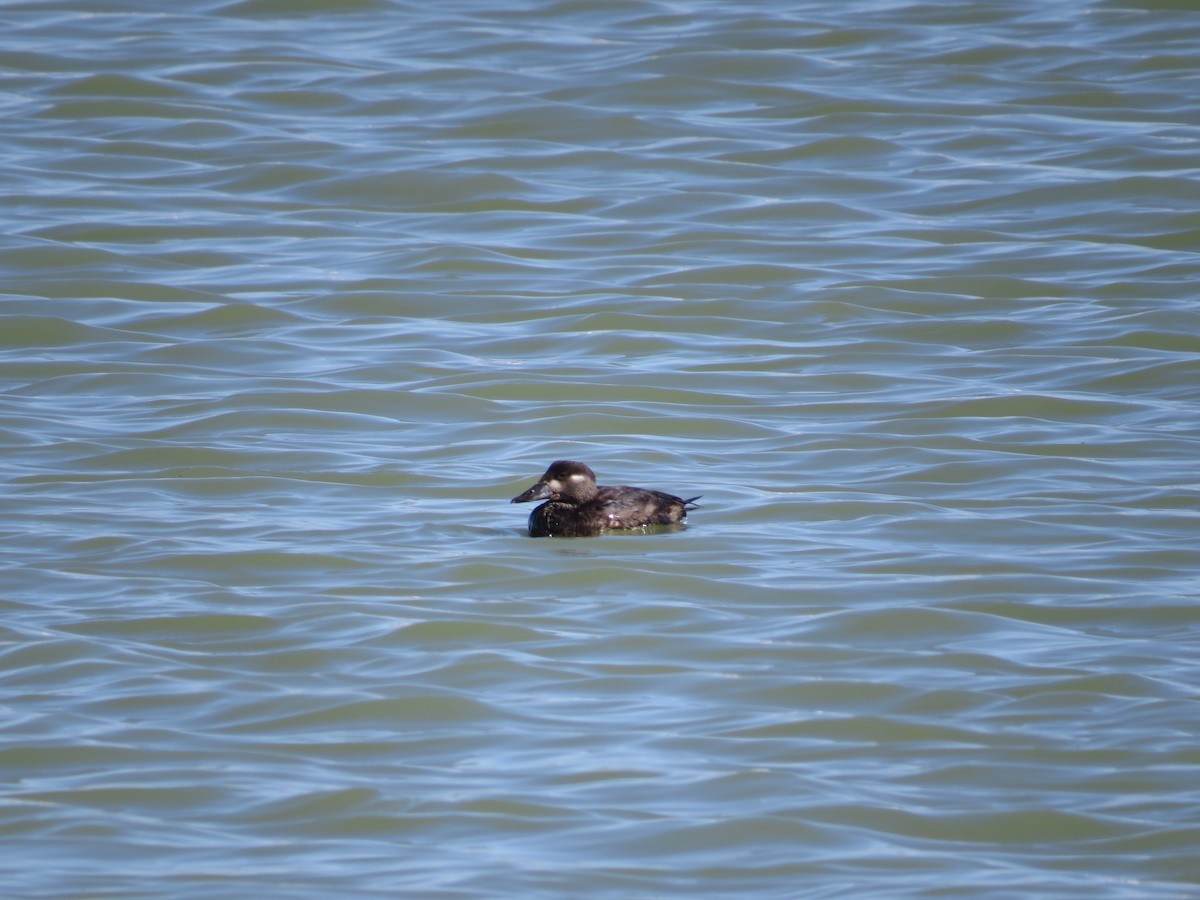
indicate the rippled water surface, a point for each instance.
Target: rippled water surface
{"x":297,"y":295}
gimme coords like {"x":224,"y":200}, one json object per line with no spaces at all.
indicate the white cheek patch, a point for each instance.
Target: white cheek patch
{"x":578,"y":478}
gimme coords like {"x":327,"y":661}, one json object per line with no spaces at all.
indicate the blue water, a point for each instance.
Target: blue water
{"x":296,"y":296}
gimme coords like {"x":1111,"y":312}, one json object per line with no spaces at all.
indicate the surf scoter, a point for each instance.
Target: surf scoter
{"x":578,"y":507}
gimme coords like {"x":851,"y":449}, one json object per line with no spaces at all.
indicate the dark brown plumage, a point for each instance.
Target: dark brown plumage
{"x":577,"y":507}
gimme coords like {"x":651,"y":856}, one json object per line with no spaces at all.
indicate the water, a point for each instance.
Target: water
{"x":297,"y":296}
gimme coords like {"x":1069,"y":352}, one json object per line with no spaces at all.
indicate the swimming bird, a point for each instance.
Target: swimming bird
{"x":578,"y":507}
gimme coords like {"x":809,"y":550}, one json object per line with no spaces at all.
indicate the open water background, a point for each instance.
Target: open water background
{"x":296,"y":296}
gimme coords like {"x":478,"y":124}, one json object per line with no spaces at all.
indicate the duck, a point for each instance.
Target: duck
{"x":578,"y":507}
